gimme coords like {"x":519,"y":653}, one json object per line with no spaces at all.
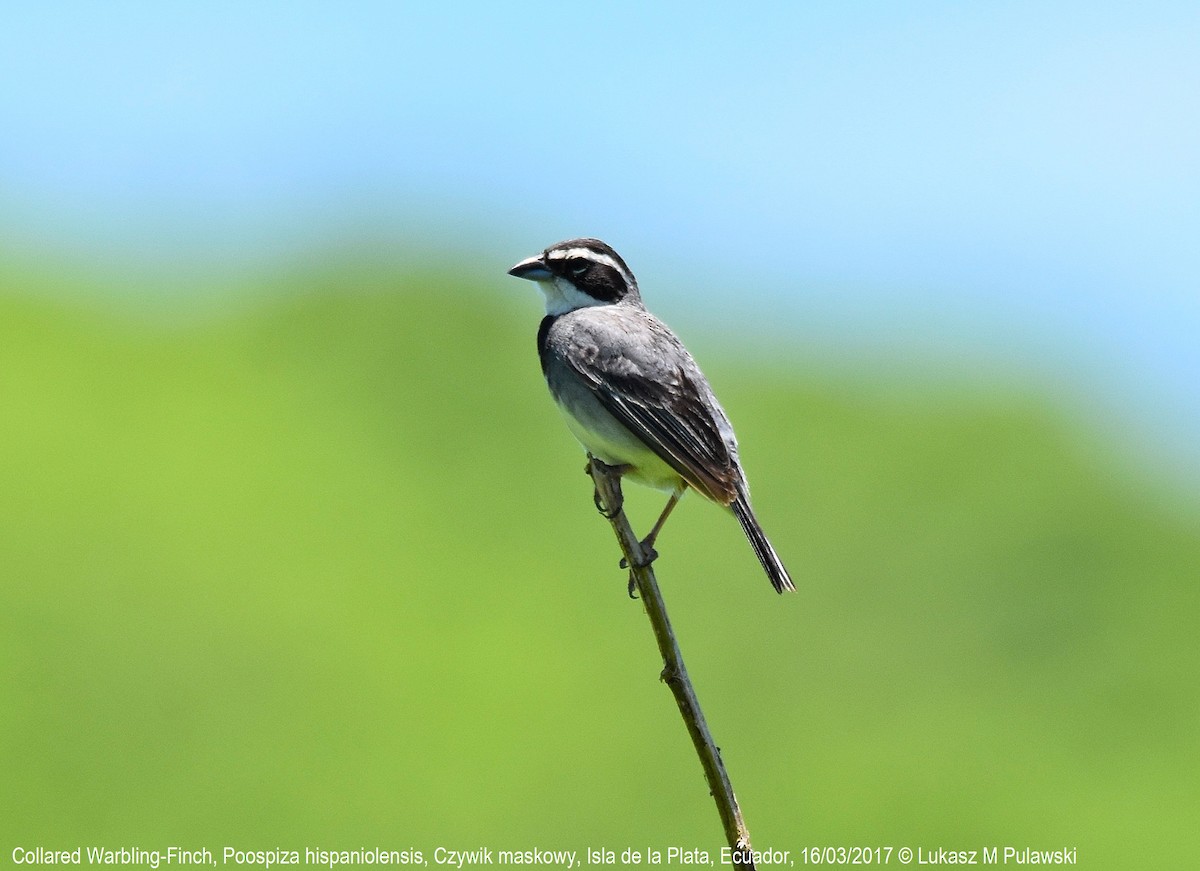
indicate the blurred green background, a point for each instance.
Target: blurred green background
{"x":325,"y":570}
{"x":295,"y":550}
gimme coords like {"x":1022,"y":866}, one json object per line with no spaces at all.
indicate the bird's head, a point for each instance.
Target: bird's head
{"x":579,"y":273}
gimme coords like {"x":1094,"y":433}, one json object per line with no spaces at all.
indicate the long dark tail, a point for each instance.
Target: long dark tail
{"x":778,"y":575}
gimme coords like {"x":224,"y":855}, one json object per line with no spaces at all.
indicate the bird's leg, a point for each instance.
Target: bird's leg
{"x":612,"y":511}
{"x":648,"y":542}
{"x":676,"y":495}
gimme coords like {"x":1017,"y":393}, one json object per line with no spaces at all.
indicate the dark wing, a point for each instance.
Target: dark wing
{"x":667,"y":404}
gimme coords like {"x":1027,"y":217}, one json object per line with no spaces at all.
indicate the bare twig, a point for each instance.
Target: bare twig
{"x":609,"y":499}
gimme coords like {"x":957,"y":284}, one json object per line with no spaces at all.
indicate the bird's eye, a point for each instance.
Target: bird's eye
{"x":577,"y":266}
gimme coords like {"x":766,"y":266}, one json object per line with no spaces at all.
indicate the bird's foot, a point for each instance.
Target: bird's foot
{"x":649,"y":555}
{"x":607,"y":512}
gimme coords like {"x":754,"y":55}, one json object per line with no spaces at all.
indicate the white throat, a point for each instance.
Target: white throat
{"x":563,"y":297}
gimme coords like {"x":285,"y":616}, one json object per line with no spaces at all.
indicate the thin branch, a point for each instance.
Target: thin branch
{"x":610,"y":500}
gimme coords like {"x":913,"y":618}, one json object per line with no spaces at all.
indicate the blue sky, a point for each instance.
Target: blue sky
{"x":1021,"y":179}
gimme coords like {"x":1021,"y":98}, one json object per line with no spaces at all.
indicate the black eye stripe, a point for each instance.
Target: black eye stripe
{"x":602,"y":281}
{"x":593,"y":267}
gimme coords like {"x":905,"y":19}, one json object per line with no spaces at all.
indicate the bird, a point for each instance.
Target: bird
{"x":630,"y":391}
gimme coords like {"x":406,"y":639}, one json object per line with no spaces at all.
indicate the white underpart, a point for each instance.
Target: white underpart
{"x":563,"y":297}
{"x":609,"y":440}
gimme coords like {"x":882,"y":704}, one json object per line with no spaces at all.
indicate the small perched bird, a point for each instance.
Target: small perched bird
{"x":630,"y":391}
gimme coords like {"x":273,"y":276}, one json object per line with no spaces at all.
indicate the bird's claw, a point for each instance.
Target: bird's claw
{"x":649,"y":555}
{"x":606,"y":513}
{"x":599,"y":503}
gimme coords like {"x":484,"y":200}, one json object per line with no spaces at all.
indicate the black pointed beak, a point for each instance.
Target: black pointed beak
{"x":533,"y":268}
